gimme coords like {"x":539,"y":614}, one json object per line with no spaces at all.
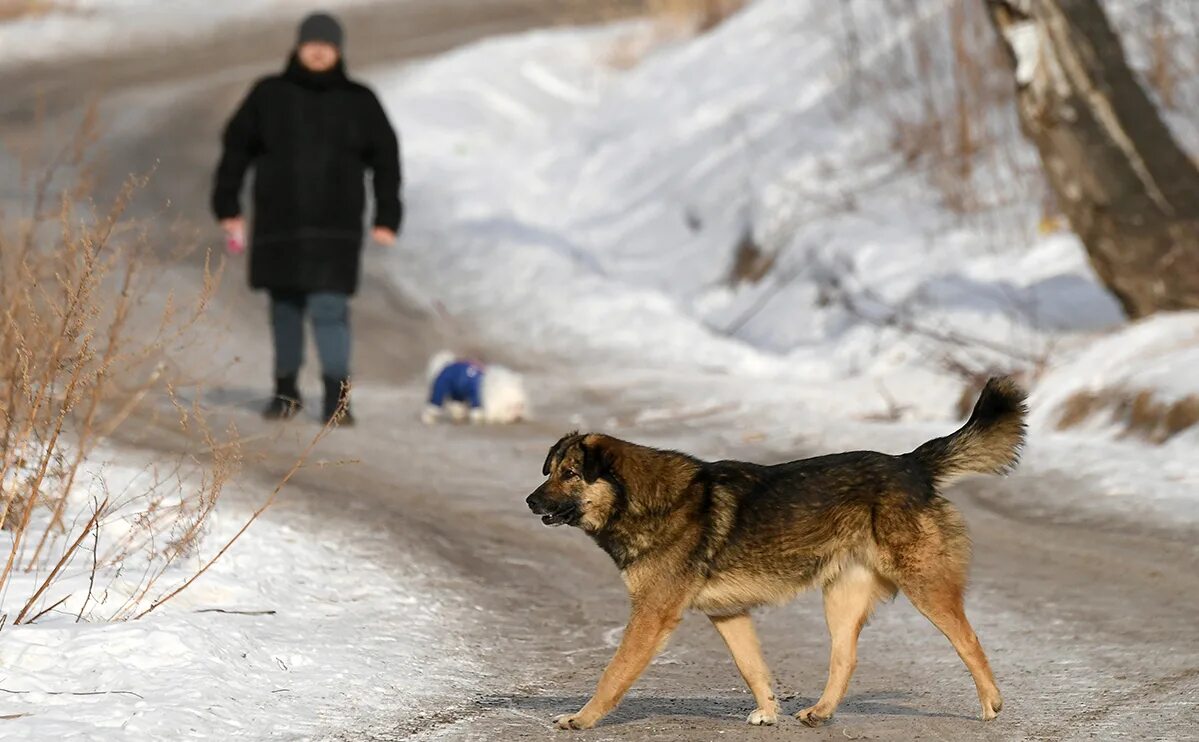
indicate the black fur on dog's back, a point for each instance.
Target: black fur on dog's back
{"x":789,"y":520}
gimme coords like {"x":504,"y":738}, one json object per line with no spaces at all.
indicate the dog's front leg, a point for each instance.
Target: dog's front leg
{"x":646,"y":634}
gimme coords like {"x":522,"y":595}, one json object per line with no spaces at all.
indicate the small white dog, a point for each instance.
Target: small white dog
{"x":470,"y":389}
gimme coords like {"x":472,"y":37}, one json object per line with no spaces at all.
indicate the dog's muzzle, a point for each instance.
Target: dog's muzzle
{"x":552,"y":514}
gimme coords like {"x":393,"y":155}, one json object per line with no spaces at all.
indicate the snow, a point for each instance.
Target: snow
{"x":593,"y":213}
{"x":1156,"y":354}
{"x":1026,"y":45}
{"x":1148,"y":29}
{"x":90,"y":28}
{"x":288,"y":631}
{"x":622,"y":197}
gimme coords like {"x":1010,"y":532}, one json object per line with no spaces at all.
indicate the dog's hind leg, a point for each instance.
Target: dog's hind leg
{"x":930,"y":563}
{"x":741,"y":639}
{"x":848,"y":601}
{"x":939,"y":598}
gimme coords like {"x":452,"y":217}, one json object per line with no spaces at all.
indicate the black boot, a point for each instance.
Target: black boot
{"x":286,"y":402}
{"x":337,"y":397}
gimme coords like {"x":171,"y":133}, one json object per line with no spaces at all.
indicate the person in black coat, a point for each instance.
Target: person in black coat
{"x":310,"y":134}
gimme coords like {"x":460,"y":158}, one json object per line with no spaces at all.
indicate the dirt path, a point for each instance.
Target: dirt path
{"x":1091,"y":628}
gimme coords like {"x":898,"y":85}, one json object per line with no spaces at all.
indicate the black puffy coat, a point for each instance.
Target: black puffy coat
{"x":310,"y":137}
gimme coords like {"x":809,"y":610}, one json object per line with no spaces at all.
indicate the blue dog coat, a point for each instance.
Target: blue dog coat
{"x":461,"y":381}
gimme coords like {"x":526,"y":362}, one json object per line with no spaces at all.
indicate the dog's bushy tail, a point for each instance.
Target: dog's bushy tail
{"x":989,"y":442}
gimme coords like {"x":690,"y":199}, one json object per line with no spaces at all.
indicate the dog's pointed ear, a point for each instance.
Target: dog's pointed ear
{"x":555,"y":450}
{"x":598,"y":459}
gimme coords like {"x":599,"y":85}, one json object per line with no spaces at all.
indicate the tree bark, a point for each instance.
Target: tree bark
{"x":1129,"y":190}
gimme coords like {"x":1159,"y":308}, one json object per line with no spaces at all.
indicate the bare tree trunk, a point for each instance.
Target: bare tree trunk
{"x":1130,"y":191}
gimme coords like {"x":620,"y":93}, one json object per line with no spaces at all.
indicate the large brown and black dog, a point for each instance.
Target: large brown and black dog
{"x":727,"y":536}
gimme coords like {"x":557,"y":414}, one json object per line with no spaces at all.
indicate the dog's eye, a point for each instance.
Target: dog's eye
{"x":569,"y":474}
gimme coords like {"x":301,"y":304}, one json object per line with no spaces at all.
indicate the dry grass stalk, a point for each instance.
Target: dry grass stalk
{"x":74,"y":329}
{"x":13,"y":9}
{"x":1163,"y":75}
{"x":65,"y":559}
{"x":750,"y":262}
{"x":697,"y":15}
{"x":945,"y":95}
{"x":270,"y":500}
{"x":1138,"y":412}
{"x":671,"y":21}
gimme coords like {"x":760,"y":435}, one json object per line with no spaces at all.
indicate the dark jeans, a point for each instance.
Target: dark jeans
{"x":330,"y":314}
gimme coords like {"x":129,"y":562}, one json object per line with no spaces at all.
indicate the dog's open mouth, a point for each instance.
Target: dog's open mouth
{"x":560,"y":516}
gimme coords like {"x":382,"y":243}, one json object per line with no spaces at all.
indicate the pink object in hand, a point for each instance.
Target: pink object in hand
{"x":235,"y":242}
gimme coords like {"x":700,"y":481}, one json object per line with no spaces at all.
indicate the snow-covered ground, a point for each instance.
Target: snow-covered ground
{"x":594,"y":213}
{"x":58,"y":29}
{"x":290,"y":631}
{"x":619,"y":199}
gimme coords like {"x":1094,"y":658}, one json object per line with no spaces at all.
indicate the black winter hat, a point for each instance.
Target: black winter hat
{"x":321,"y":27}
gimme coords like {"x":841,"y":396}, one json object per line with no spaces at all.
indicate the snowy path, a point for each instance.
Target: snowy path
{"x":1089,"y":625}
{"x":1089,"y":622}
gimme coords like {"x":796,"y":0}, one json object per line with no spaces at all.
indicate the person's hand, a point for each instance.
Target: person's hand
{"x":235,"y":235}
{"x":383,"y":235}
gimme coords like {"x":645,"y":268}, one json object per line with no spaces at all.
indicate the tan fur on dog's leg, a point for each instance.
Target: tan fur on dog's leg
{"x":741,"y":639}
{"x":848,"y":602}
{"x":646,"y":634}
{"x":942,"y":604}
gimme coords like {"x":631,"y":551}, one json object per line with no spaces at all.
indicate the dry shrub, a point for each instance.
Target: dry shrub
{"x":1182,"y":415}
{"x":13,"y":9}
{"x":1155,"y":33}
{"x":1138,"y":412}
{"x":630,"y":49}
{"x":1080,"y":407}
{"x":86,"y":335}
{"x":671,"y":21}
{"x":1164,"y":62}
{"x":1141,"y":414}
{"x":73,"y":367}
{"x":695,"y":15}
{"x":750,"y":262}
{"x":947,"y":95}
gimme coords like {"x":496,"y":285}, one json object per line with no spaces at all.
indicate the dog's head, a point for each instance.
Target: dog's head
{"x":583,"y":488}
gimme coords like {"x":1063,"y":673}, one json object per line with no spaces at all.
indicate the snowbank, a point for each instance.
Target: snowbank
{"x":594,"y":216}
{"x":287,"y":632}
{"x":616,"y":203}
{"x":597,"y":215}
{"x":1153,"y":359}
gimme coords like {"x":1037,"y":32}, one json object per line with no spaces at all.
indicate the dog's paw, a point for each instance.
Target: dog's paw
{"x":763,"y":717}
{"x":991,"y":708}
{"x":812,"y":717}
{"x":572,"y":721}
